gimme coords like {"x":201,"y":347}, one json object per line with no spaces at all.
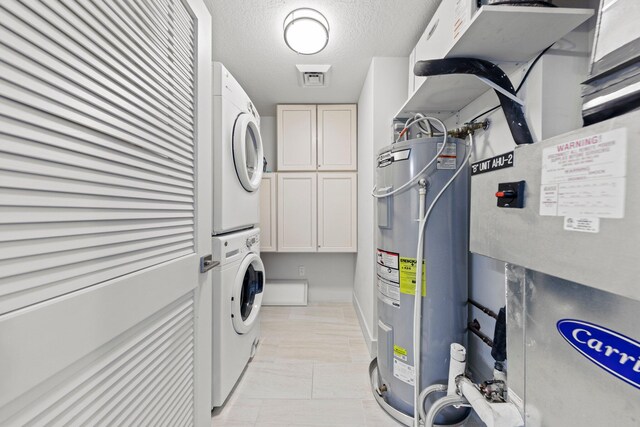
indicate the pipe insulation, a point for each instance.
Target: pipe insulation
{"x":513,"y":111}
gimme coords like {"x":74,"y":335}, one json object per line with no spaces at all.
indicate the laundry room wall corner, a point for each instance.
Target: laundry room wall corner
{"x":268,"y":132}
{"x":383,"y":92}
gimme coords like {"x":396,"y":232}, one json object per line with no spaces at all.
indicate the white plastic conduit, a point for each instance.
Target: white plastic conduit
{"x":493,"y":414}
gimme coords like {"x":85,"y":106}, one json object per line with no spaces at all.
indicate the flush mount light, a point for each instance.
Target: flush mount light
{"x":306,"y":31}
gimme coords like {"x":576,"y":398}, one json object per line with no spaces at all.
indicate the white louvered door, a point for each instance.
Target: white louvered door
{"x":105,"y":203}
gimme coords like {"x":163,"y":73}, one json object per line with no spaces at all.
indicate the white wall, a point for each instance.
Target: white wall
{"x":330,"y":276}
{"x":268,"y":133}
{"x":383,"y":93}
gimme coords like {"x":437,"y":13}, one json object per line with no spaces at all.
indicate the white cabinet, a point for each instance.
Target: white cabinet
{"x":337,"y":212}
{"x":322,"y":137}
{"x":337,"y":130}
{"x":297,"y":212}
{"x":296,"y":140}
{"x":317,"y":212}
{"x":268,"y":218}
{"x":316,"y":181}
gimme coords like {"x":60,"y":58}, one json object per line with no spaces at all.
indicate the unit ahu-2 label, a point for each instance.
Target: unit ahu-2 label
{"x":494,"y":163}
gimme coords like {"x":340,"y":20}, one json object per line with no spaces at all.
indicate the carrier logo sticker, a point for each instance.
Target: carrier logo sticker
{"x":615,"y":353}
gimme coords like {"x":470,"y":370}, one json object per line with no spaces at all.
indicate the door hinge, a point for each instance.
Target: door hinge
{"x":207,"y":263}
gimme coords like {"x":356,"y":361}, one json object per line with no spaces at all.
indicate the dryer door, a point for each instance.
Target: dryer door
{"x":247,"y":293}
{"x":247,"y":151}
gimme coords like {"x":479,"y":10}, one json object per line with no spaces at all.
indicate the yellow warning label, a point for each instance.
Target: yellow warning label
{"x":408,"y":268}
{"x":400,"y":351}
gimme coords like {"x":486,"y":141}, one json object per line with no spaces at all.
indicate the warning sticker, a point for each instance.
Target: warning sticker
{"x":387,"y":265}
{"x":400,"y":352}
{"x":447,"y":160}
{"x":408,"y":268}
{"x":388,"y":259}
{"x":388,"y":273}
{"x":404,"y":372}
{"x":585,"y":177}
{"x":389,"y":293}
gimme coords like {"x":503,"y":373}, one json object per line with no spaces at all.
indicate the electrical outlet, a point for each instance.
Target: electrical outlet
{"x":301,"y":271}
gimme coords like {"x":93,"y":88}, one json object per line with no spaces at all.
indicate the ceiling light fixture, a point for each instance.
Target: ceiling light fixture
{"x":306,"y":31}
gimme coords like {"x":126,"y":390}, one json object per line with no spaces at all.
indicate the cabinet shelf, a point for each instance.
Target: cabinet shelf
{"x":498,"y":34}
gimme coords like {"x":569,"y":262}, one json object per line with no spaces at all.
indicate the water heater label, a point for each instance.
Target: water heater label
{"x":404,"y":372}
{"x":408,"y":267}
{"x":447,"y":159}
{"x":585,"y":177}
{"x":400,"y":352}
{"x":388,"y":259}
{"x":617,"y":354}
{"x":389,"y":293}
{"x":387,"y":266}
{"x":388,"y":273}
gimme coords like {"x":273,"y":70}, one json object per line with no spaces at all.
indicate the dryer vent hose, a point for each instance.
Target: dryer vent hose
{"x":488,"y":70}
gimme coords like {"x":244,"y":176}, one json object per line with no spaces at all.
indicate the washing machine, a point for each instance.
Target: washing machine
{"x":237,"y":155}
{"x":238,"y":283}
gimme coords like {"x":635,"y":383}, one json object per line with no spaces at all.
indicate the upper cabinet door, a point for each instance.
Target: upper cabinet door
{"x":337,"y":137}
{"x":297,"y":138}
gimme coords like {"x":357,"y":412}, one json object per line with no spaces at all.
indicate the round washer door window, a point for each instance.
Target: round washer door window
{"x":247,"y":151}
{"x":247,"y":293}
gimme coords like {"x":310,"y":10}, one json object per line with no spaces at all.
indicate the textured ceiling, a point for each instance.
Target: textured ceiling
{"x":247,"y":39}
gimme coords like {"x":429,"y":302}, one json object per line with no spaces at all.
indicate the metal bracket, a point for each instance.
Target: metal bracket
{"x":207,"y":263}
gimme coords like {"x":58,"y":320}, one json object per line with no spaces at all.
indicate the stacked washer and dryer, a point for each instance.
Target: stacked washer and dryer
{"x":238,"y":279}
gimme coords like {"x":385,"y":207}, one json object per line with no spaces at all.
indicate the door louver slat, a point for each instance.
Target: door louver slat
{"x":71,"y":144}
{"x":82,"y":88}
{"x":132,"y":36}
{"x":160,"y":16}
{"x":41,"y":36}
{"x":129,"y":380}
{"x":148,"y":24}
{"x":97,"y":128}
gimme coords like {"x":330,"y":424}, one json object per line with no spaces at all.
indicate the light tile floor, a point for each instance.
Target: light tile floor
{"x":311,"y":369}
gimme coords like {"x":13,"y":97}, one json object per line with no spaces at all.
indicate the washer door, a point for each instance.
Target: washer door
{"x":247,"y":293}
{"x":247,"y":151}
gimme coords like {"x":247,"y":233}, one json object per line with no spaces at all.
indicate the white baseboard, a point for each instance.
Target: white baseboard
{"x":372,"y":343}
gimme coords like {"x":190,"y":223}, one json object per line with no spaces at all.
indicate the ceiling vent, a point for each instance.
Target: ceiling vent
{"x":313,"y":75}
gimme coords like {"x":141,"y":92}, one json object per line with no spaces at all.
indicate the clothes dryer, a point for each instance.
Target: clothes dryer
{"x":237,"y":155}
{"x":238,"y":283}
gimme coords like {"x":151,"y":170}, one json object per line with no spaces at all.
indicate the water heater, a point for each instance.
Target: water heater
{"x":445,"y":268}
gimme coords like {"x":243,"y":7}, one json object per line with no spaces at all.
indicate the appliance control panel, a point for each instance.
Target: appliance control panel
{"x":228,"y":246}
{"x":253,"y":241}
